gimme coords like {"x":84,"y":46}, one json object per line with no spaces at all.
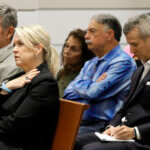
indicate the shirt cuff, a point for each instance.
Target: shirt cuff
{"x":138,"y":135}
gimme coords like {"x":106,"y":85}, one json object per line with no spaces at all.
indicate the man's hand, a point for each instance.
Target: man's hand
{"x":109,"y":130}
{"x":123,"y":132}
{"x":120,"y":132}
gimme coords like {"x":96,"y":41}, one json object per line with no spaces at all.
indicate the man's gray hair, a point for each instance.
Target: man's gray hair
{"x":142,"y":22}
{"x":8,"y":16}
{"x":109,"y":22}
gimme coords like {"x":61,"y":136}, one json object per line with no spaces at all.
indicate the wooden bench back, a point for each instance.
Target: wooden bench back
{"x":70,"y":116}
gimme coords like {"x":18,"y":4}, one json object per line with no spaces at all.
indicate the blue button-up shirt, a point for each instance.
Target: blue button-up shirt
{"x":104,"y":97}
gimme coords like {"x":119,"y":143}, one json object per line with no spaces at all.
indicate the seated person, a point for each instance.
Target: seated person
{"x":136,"y":108}
{"x":74,"y":54}
{"x":104,"y":81}
{"x":8,"y":23}
{"x":29,"y":101}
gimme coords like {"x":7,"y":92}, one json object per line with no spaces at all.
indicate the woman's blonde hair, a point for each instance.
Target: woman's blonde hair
{"x":32,"y":35}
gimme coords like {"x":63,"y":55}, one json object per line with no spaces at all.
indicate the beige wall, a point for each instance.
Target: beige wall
{"x":94,"y":3}
{"x":79,"y":4}
{"x":59,"y":17}
{"x":22,"y":4}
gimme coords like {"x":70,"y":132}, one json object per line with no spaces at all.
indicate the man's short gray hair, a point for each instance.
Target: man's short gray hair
{"x":109,"y":22}
{"x":142,"y":22}
{"x":8,"y":16}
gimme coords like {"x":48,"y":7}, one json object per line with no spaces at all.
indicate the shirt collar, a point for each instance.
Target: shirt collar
{"x":146,"y":64}
{"x":110,"y":54}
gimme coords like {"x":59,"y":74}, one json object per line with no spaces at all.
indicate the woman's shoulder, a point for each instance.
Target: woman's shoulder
{"x":44,"y":74}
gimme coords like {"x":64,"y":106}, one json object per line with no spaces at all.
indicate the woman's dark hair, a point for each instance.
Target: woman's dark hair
{"x":79,"y":35}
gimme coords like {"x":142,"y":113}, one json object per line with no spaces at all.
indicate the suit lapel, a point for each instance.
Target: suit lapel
{"x":134,"y":84}
{"x":141,"y":85}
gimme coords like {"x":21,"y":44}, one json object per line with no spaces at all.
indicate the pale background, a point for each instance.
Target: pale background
{"x":59,"y":17}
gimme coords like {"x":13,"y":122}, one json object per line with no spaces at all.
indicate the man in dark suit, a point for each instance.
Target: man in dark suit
{"x":135,"y":113}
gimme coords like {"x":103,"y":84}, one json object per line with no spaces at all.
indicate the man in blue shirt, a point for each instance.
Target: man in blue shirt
{"x":104,"y":81}
{"x":132,"y":121}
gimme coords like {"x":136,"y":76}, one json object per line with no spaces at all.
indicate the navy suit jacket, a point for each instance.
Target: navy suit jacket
{"x":136,"y":107}
{"x":28,"y":115}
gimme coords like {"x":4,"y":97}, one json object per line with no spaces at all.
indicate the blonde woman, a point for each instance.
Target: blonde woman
{"x":29,"y":101}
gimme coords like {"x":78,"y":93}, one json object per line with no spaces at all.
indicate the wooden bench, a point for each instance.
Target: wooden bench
{"x":70,"y":116}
